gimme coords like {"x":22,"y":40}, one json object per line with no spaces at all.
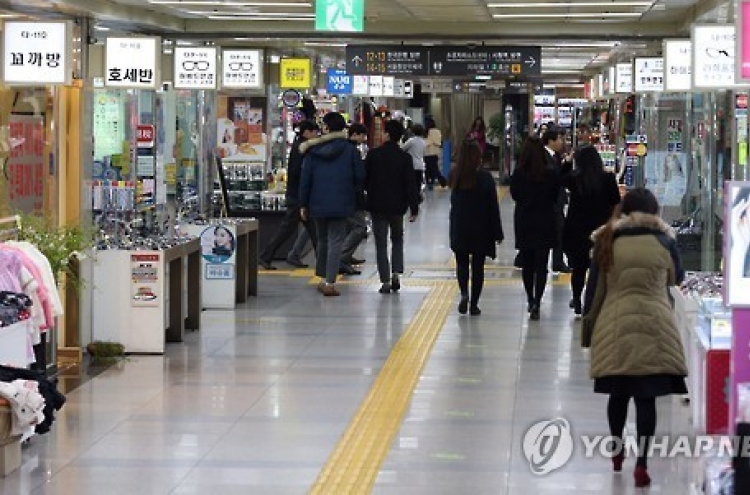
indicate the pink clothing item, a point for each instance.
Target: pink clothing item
{"x":41,"y":289}
{"x":10,"y":271}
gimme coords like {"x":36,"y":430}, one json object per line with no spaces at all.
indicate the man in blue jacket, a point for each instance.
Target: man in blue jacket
{"x":331,"y":173}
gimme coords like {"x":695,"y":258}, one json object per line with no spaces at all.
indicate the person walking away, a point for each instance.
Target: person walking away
{"x":554,"y":142}
{"x":593,"y":196}
{"x":331,"y":173}
{"x":433,"y":148}
{"x":415,"y":146}
{"x":475,"y":225}
{"x":390,"y":192}
{"x":357,"y":223}
{"x":307,"y":130}
{"x":636,"y":351}
{"x":534,"y":186}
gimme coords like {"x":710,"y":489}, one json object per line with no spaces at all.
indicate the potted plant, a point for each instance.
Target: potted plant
{"x":104,"y":353}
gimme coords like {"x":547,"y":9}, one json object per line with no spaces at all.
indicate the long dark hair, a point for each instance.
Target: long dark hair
{"x":589,"y":171}
{"x":639,"y":200}
{"x":532,"y":162}
{"x":464,"y":174}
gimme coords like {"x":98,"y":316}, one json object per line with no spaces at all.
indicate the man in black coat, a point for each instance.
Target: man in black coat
{"x":553,"y":140}
{"x":391,"y":191}
{"x":307,"y":129}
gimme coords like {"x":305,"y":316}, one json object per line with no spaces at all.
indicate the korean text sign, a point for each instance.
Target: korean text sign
{"x":132,"y":63}
{"x":713,"y":56}
{"x":678,"y":65}
{"x":295,"y":73}
{"x":242,"y":69}
{"x":195,"y":68}
{"x":37,"y":53}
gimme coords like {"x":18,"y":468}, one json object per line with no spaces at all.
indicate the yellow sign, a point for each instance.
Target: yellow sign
{"x":641,"y":150}
{"x":295,"y":73}
{"x":515,"y":68}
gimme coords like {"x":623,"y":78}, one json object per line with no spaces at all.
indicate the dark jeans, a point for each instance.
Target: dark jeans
{"x":466,"y":263}
{"x":534,"y":273}
{"x":357,"y":225}
{"x":331,"y":233}
{"x":381,"y":224}
{"x":432,"y":171}
{"x":287,"y":229}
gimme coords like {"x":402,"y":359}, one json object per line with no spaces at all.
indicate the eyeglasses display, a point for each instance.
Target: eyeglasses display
{"x":200,"y":65}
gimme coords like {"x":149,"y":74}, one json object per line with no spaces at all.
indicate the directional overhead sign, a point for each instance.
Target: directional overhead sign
{"x":400,"y":60}
{"x":387,"y":59}
{"x":486,"y":60}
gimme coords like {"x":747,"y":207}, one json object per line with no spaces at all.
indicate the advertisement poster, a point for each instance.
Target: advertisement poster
{"x":144,"y":269}
{"x":241,"y":129}
{"x":737,"y":245}
{"x":218,"y":244}
{"x":25,"y":169}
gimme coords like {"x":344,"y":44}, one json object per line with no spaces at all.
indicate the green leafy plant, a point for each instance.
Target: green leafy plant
{"x":58,"y":243}
{"x":105,"y":353}
{"x":496,"y":126}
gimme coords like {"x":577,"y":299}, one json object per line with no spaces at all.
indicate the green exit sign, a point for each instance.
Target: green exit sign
{"x":340,"y":15}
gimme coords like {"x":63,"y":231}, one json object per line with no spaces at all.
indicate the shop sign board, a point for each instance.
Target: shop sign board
{"x":678,"y":65}
{"x":132,"y":63}
{"x":144,"y":275}
{"x":713,"y":56}
{"x":145,"y":135}
{"x":742,"y":21}
{"x":195,"y":68}
{"x":408,"y":89}
{"x":624,"y":78}
{"x":295,"y":73}
{"x":388,"y":86}
{"x":398,"y":88}
{"x":648,"y":74}
{"x":37,"y":52}
{"x":737,"y":245}
{"x":339,"y":82}
{"x":376,"y":86}
{"x":360,"y":85}
{"x":242,"y":69}
{"x":340,"y":15}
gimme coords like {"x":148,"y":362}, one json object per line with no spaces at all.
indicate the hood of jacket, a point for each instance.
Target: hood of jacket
{"x":637,"y":221}
{"x":326,"y":146}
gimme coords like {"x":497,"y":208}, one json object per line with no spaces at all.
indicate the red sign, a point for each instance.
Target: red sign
{"x":145,"y":136}
{"x":717,"y":387}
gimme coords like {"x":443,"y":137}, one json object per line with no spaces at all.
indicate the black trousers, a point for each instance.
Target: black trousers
{"x":645,"y":422}
{"x":287,"y":230}
{"x":432,"y":171}
{"x":558,"y":261}
{"x":534,"y":273}
{"x":467,"y":263}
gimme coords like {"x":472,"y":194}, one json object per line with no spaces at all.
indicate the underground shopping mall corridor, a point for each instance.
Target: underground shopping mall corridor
{"x":396,"y":394}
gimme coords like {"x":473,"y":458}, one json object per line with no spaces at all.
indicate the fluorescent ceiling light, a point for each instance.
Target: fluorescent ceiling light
{"x":238,"y":3}
{"x":246,"y":17}
{"x":252,"y":14}
{"x":323,"y":43}
{"x":101,"y":28}
{"x":568,"y":15}
{"x":553,"y":5}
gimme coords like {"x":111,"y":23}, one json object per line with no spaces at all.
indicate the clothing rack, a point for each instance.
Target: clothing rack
{"x":10,"y":228}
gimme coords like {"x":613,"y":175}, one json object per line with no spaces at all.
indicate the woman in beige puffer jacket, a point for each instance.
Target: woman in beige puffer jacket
{"x":636,"y":351}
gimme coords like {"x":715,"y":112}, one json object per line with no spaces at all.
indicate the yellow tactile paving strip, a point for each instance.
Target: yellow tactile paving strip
{"x":355,"y":462}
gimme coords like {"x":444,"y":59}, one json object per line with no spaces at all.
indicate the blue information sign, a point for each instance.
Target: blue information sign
{"x":339,"y":82}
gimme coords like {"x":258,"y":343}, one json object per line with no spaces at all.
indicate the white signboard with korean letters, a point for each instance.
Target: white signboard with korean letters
{"x":37,"y":52}
{"x":242,"y":69}
{"x":677,"y":65}
{"x":376,"y":86}
{"x":624,"y":78}
{"x":648,"y":74}
{"x":132,"y":63}
{"x":195,"y":68}
{"x":713,"y":56}
{"x":360,"y":85}
{"x":388,"y":83}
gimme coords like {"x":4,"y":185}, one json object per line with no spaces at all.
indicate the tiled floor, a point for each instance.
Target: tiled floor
{"x":257,"y":400}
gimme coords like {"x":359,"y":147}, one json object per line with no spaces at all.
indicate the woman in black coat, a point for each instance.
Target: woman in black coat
{"x":474,"y":222}
{"x":593,"y":196}
{"x":535,"y":186}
